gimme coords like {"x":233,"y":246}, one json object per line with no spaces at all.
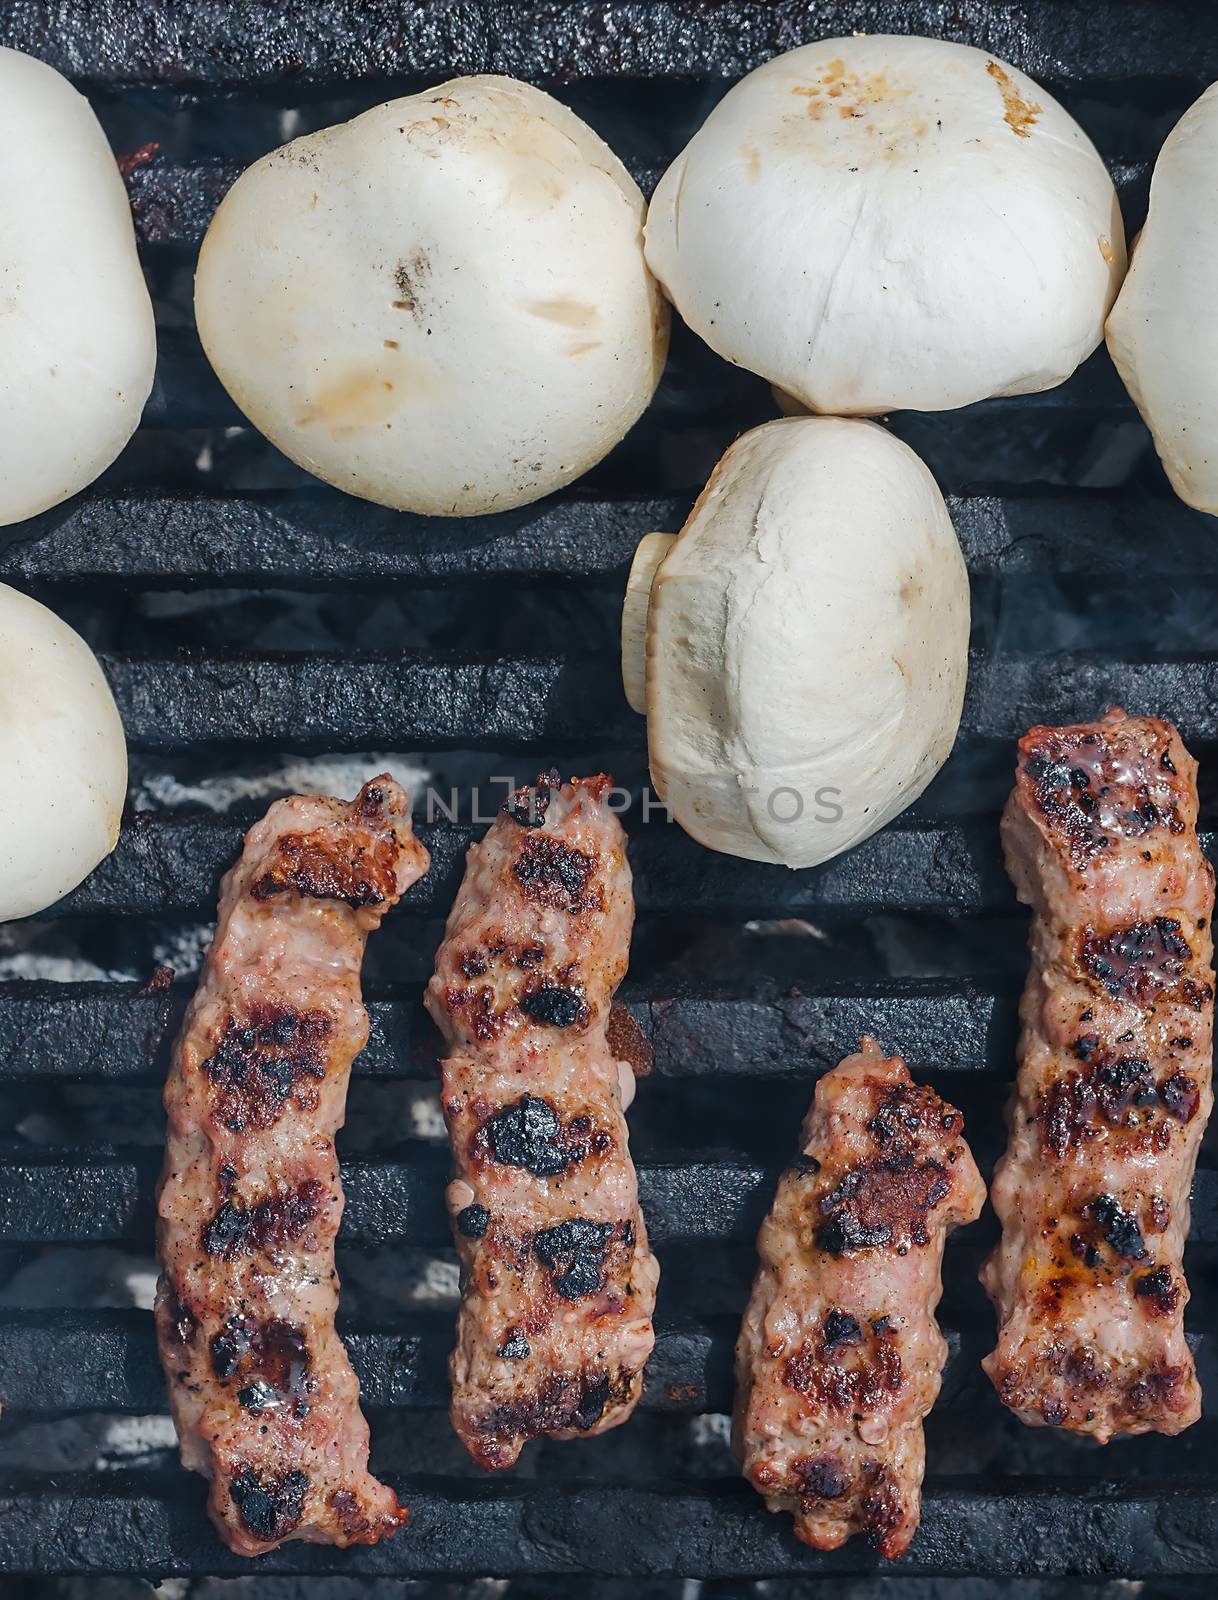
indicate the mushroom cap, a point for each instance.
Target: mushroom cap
{"x":442,"y":305}
{"x":63,"y":778}
{"x":807,"y":643}
{"x":1162,"y":332}
{"x":881,"y":222}
{"x":77,"y":336}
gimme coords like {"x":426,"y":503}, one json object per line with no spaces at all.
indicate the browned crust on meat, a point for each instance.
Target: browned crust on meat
{"x":555,"y":1324}
{"x":839,"y":1357}
{"x":1114,"y":1085}
{"x":264,"y":1398}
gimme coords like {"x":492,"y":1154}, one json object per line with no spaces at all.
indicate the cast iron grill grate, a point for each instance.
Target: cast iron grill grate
{"x":252,"y":624}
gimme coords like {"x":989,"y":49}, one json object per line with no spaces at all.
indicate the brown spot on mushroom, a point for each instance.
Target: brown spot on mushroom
{"x":359,"y":397}
{"x":752,"y":161}
{"x":1106,"y":249}
{"x":566,"y":313}
{"x":1018,"y":114}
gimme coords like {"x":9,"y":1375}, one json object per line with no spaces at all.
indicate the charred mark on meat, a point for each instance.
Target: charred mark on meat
{"x":1140,"y":962}
{"x":264,"y":1056}
{"x":564,"y":1400}
{"x":1180,"y":1096}
{"x":555,"y":1008}
{"x":473,"y":1221}
{"x":805,"y":1165}
{"x":557,"y":875}
{"x":515,"y":1346}
{"x":906,"y":1111}
{"x":574,"y":1251}
{"x":1115,"y":1092}
{"x":271,"y":1360}
{"x":1119,"y":1228}
{"x":883,"y":1506}
{"x":528,"y":805}
{"x":851,"y":1375}
{"x":182,"y":1321}
{"x":236,"y":1230}
{"x":1159,"y":1289}
{"x":1080,"y":785}
{"x":821,"y":1478}
{"x":882,"y":1202}
{"x":840,"y":1329}
{"x":326,"y":866}
{"x":526,"y":1134}
{"x":270,"y":1506}
{"x":846,"y":1234}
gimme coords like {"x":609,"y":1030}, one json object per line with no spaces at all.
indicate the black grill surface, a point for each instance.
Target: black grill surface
{"x":264,"y":634}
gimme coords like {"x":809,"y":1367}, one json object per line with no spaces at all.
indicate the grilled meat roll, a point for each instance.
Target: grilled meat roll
{"x":840,"y":1358}
{"x":559,"y":1284}
{"x":1113,"y":1093}
{"x":264,"y":1398}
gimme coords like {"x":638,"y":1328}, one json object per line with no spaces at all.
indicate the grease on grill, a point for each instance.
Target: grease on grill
{"x":265,"y":1056}
{"x":236,"y":1230}
{"x":528,"y":805}
{"x":628,"y":1042}
{"x":270,"y":1506}
{"x":574,"y":1251}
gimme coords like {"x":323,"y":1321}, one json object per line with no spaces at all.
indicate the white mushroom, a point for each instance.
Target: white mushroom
{"x":801,"y":648}
{"x":63,"y":777}
{"x":1162,"y":331}
{"x":77,"y":338}
{"x":443,"y":305}
{"x":881,"y":222}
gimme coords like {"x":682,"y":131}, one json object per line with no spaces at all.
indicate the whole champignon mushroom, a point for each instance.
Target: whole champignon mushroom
{"x":442,"y":305}
{"x":880,"y":222}
{"x":1162,"y":332}
{"x":800,"y":649}
{"x":63,"y":777}
{"x":77,"y":337}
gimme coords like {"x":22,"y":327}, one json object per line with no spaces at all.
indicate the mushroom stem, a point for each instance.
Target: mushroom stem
{"x":652,"y":549}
